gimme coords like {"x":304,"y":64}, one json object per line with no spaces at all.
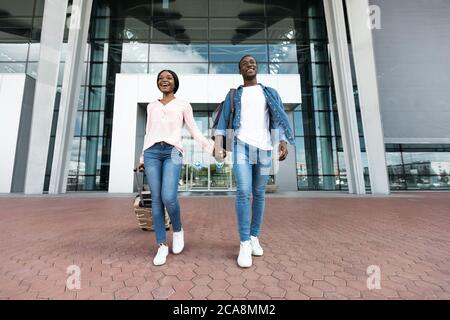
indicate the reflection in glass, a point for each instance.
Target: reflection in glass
{"x":15,"y":28}
{"x":179,"y":52}
{"x":13,"y":67}
{"x":234,"y":8}
{"x":191,"y":8}
{"x":180,"y":68}
{"x":283,"y":68}
{"x":96,"y":100}
{"x":233,"y":53}
{"x":283,"y":52}
{"x":182,"y":30}
{"x":135,"y":52}
{"x":237,"y":30}
{"x":232,"y":68}
{"x":134,"y":68}
{"x":12,"y":52}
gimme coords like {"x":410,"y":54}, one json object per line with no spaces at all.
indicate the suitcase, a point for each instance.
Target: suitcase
{"x":143,"y":205}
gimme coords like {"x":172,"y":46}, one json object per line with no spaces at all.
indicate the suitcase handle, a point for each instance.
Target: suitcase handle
{"x":139,"y":184}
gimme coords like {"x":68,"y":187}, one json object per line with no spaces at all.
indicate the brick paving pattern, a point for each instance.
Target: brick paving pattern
{"x":314,"y":248}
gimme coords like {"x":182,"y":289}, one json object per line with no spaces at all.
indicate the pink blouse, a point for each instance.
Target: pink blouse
{"x":164,"y":123}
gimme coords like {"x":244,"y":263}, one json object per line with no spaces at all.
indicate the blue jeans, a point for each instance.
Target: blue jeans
{"x":163,"y":164}
{"x":251,"y":170}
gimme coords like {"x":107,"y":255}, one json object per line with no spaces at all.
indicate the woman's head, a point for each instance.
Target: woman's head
{"x":167,"y":81}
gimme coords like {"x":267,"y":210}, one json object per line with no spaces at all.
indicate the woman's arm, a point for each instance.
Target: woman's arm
{"x":188,"y":116}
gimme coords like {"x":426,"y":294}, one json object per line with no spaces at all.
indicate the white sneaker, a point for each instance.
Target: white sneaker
{"x":161,"y":255}
{"x":178,"y":242}
{"x":244,"y":259}
{"x":256,"y":247}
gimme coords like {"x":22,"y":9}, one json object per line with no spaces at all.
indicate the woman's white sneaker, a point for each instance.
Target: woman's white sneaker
{"x":244,"y":259}
{"x":178,"y":242}
{"x":161,"y":255}
{"x":256,"y":247}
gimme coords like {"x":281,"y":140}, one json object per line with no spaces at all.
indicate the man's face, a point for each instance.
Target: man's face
{"x":248,"y":68}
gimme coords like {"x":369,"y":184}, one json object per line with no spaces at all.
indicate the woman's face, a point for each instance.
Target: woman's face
{"x":166,"y":83}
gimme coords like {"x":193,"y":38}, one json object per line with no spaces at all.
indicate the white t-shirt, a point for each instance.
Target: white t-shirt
{"x":254,"y":129}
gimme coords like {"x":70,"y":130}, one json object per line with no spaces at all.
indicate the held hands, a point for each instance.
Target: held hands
{"x":282,"y":150}
{"x":219,"y":153}
{"x":139,"y":168}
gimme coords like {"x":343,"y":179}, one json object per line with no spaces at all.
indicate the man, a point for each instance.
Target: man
{"x":259,"y":123}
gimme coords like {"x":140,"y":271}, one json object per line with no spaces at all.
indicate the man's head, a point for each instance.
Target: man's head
{"x":248,"y":67}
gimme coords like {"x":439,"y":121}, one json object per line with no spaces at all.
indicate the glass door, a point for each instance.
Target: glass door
{"x":201,"y":172}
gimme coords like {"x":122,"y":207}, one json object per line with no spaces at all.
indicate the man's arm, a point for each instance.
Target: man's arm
{"x":220,"y":131}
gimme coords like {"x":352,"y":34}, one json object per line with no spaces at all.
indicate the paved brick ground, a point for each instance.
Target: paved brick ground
{"x":315,"y":248}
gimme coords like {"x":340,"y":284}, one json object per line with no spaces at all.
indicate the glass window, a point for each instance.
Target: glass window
{"x":12,"y":52}
{"x":37,"y":29}
{"x":34,"y":52}
{"x":15,"y":28}
{"x":181,"y":30}
{"x":320,"y":74}
{"x":220,"y":52}
{"x":322,"y":98}
{"x":191,"y":8}
{"x":96,"y":100}
{"x":73,"y":164}
{"x":235,"y":8}
{"x":283,"y":52}
{"x":78,"y":124}
{"x":180,"y":68}
{"x":16,"y":8}
{"x":324,"y":126}
{"x":300,"y":156}
{"x":232,"y":68}
{"x":326,"y":164}
{"x":397,"y":182}
{"x":283,"y":68}
{"x":194,"y":52}
{"x":319,"y":51}
{"x":236,"y":30}
{"x":97,"y":73}
{"x":32,"y":69}
{"x":95,"y":120}
{"x":12,"y":67}
{"x":99,"y":51}
{"x":135,"y":28}
{"x":298,"y":123}
{"x":134,"y":68}
{"x":286,"y":28}
{"x":304,"y":8}
{"x":39,"y":9}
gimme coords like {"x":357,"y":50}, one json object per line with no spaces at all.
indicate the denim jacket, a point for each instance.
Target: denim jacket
{"x":278,"y":123}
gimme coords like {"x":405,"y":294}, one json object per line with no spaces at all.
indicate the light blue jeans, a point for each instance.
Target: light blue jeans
{"x":251,"y":170}
{"x":163,"y":164}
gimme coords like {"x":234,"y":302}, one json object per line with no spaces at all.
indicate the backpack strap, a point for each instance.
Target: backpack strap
{"x":230,"y":120}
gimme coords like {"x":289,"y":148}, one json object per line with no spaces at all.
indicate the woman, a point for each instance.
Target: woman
{"x":162,"y":159}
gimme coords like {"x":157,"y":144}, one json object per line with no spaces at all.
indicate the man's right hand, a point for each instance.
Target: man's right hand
{"x":219,"y":151}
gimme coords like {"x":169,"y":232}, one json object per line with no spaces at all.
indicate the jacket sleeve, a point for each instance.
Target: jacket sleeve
{"x":285,"y":119}
{"x":224,"y":117}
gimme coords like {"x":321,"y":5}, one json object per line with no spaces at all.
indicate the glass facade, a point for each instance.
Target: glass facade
{"x":418,"y":167}
{"x":208,"y":37}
